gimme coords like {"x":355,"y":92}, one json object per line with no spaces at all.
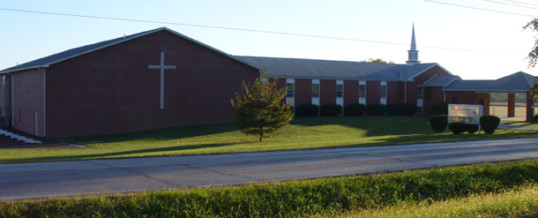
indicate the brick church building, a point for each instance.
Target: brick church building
{"x":161,"y":78}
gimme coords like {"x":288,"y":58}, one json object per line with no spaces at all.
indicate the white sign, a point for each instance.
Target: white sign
{"x":464,"y":113}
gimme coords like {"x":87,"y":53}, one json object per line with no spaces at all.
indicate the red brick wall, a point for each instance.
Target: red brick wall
{"x":395,"y":92}
{"x":411,"y":92}
{"x":436,"y":94}
{"x":372,"y":92}
{"x":113,"y":91}
{"x":303,"y":91}
{"x":327,"y":92}
{"x":484,"y":97}
{"x":351,"y":92}
{"x":462,"y":97}
{"x":28,"y":99}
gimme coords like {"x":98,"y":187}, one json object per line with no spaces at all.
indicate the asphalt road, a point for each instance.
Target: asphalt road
{"x":38,"y":180}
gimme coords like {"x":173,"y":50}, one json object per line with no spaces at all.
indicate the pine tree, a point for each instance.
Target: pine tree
{"x":259,"y":110}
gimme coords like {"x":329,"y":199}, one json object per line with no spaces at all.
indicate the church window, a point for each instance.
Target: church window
{"x":420,"y":92}
{"x":315,"y":90}
{"x":383,"y":91}
{"x":291,"y":90}
{"x":362,"y":90}
{"x":339,"y":90}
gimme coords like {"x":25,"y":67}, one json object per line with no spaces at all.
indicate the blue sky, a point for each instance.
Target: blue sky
{"x":474,"y":44}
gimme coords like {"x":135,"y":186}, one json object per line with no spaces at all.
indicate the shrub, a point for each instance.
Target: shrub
{"x":535,"y":119}
{"x":331,"y":109}
{"x":354,"y":109}
{"x":489,"y":123}
{"x":440,"y":108}
{"x":401,"y":109}
{"x":457,"y":127}
{"x":471,"y":128}
{"x":376,"y":109}
{"x":306,"y":110}
{"x":438,"y":123}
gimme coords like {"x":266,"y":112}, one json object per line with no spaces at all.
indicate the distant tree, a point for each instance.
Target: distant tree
{"x":533,"y":57}
{"x":258,"y":109}
{"x":379,"y":60}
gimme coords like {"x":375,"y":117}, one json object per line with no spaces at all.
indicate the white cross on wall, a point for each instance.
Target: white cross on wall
{"x":162,"y":67}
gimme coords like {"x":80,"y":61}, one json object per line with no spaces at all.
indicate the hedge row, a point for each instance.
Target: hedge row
{"x":487,"y":123}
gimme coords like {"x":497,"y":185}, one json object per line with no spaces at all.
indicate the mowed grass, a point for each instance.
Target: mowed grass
{"x":303,"y":133}
{"x":517,"y":202}
{"x":327,"y":196}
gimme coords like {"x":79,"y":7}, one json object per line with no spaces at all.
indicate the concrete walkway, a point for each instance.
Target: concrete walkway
{"x":38,"y":180}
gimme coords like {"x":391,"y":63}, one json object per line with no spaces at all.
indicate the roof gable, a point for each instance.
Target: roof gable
{"x":75,"y":52}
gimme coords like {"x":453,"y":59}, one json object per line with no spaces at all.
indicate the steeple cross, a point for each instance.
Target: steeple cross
{"x":162,"y":67}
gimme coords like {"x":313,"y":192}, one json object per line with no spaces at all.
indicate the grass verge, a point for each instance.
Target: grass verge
{"x":296,"y":198}
{"x":303,"y":133}
{"x":518,"y":202}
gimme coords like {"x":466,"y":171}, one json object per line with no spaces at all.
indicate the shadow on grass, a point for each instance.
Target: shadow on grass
{"x":373,"y":125}
{"x":131,"y":153}
{"x":157,"y":134}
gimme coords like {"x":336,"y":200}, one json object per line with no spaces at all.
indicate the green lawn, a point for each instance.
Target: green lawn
{"x":519,"y":202}
{"x":304,"y":133}
{"x":521,"y":123}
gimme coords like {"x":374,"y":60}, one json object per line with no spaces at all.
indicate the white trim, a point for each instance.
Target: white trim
{"x":36,"y":130}
{"x":362,"y":100}
{"x":434,"y":64}
{"x":315,"y":100}
{"x":383,"y":100}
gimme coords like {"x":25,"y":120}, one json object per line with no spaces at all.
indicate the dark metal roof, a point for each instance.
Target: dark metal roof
{"x":441,"y":80}
{"x":329,"y":69}
{"x":517,"y":82}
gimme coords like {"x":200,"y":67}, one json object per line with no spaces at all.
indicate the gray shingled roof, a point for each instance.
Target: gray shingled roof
{"x":439,"y":80}
{"x":328,"y":69}
{"x":517,"y":82}
{"x":75,"y":52}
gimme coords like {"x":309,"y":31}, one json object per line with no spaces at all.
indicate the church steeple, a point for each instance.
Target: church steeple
{"x":413,"y":52}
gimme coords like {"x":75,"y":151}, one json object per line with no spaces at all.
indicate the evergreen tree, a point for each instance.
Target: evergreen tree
{"x":259,"y":110}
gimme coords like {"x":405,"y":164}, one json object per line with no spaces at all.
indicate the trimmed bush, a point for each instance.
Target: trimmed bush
{"x":489,"y":123}
{"x":331,"y":109}
{"x":440,"y":108}
{"x":401,"y":109}
{"x":457,"y":127}
{"x":439,"y":123}
{"x":376,"y":109}
{"x":306,"y":110}
{"x":471,"y":128}
{"x":355,"y":109}
{"x":535,"y":119}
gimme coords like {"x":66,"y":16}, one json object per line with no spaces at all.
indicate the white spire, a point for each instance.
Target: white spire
{"x":413,"y":52}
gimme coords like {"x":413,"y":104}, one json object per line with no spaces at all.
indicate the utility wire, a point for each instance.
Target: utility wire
{"x":247,"y":30}
{"x":522,"y":3}
{"x":511,"y":4}
{"x":477,"y":8}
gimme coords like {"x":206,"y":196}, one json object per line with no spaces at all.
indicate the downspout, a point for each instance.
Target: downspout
{"x":7,"y":100}
{"x":44,"y":101}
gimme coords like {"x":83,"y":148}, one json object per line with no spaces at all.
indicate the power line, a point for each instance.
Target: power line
{"x":522,"y":3}
{"x":511,"y":4}
{"x":477,"y":8}
{"x":246,"y":30}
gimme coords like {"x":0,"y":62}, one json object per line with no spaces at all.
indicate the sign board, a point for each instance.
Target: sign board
{"x":464,"y":113}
